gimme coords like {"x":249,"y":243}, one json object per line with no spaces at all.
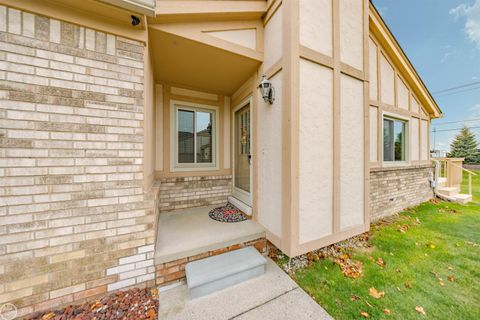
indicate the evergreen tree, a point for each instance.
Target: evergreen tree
{"x":465,"y":146}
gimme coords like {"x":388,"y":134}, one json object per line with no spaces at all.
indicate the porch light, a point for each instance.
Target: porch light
{"x":266,"y":88}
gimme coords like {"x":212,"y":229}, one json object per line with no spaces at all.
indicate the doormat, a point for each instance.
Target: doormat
{"x":227,"y":213}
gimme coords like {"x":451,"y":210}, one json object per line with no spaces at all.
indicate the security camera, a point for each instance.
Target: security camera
{"x":135,"y":20}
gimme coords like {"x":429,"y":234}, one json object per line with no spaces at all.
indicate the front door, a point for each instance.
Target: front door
{"x":242,"y":155}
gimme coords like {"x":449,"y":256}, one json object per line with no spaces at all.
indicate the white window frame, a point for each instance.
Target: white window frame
{"x":175,"y":166}
{"x":406,"y":120}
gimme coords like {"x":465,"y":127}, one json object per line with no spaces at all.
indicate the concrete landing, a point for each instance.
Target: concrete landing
{"x":188,"y":232}
{"x":272,"y":296}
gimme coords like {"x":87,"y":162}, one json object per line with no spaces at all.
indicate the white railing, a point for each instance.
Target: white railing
{"x":453,"y":172}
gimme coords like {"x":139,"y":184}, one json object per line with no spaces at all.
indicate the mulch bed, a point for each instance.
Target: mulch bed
{"x":126,"y":305}
{"x":227,"y":213}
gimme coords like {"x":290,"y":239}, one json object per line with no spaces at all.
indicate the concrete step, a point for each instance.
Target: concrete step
{"x":218,"y":272}
{"x":463,"y":198}
{"x":448,"y":191}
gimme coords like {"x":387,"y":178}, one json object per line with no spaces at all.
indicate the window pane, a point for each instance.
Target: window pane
{"x":388,"y":140}
{"x":399,"y":141}
{"x":185,"y":136}
{"x":204,"y":137}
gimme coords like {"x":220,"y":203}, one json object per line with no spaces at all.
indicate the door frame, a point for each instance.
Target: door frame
{"x":241,"y":195}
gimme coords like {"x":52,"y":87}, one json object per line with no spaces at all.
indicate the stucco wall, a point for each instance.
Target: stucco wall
{"x":316,"y":25}
{"x":352,"y":152}
{"x":316,"y":159}
{"x":394,"y":189}
{"x":351,"y":32}
{"x":72,"y":203}
{"x":270,"y":160}
{"x":269,"y":133}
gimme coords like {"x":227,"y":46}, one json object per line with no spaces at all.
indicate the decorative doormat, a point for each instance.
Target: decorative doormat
{"x":227,"y":213}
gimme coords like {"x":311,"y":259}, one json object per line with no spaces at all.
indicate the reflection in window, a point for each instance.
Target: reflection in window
{"x":204,"y":137}
{"x":186,"y":140}
{"x":394,"y":140}
{"x":195,"y":134}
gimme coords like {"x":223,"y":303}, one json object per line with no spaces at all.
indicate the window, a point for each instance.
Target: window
{"x":194,"y":134}
{"x":394,"y":140}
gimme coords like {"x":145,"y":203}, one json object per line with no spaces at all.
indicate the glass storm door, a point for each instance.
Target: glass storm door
{"x":242,"y":155}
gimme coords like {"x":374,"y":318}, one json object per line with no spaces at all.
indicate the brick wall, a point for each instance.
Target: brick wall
{"x":188,"y":192}
{"x":72,"y":203}
{"x":394,"y":189}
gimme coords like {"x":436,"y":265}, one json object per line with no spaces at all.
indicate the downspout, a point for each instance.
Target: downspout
{"x":435,"y":181}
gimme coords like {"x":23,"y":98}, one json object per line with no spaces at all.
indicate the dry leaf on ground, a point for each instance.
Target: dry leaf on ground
{"x":48,"y":316}
{"x":420,"y":310}
{"x":350,"y":269}
{"x":451,"y":278}
{"x":375,"y":293}
{"x":408,"y":285}
{"x":387,"y":311}
{"x":354,"y":297}
{"x":364,"y":314}
{"x":380,"y":262}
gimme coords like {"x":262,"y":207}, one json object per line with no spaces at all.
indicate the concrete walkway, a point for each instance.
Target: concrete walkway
{"x":273,"y":296}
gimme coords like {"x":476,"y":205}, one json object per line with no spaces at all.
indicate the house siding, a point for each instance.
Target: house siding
{"x":72,"y":201}
{"x":394,"y":189}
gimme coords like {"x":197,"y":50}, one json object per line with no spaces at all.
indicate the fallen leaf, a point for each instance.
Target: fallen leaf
{"x":95,"y":305}
{"x":48,"y":316}
{"x":420,"y":310}
{"x":408,"y":285}
{"x":450,"y":268}
{"x":151,"y":314}
{"x":431,"y":245}
{"x":375,"y":293}
{"x":354,"y":297}
{"x":387,"y":311}
{"x":350,"y":269}
{"x":451,"y":279}
{"x":380,"y":262}
{"x":442,"y":283}
{"x":364,"y":314}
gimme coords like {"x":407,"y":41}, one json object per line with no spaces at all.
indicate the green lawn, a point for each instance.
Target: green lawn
{"x":441,"y":249}
{"x":475,"y":185}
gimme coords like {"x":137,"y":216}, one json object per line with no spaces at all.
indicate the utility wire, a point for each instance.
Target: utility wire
{"x":457,"y":129}
{"x":457,"y":87}
{"x":456,"y":92}
{"x":460,"y":121}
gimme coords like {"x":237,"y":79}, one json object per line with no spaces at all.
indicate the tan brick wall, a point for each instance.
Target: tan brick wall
{"x":172,"y":271}
{"x":72,"y":201}
{"x":394,"y":189}
{"x":188,"y":192}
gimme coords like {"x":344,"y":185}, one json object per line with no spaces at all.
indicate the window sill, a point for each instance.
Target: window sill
{"x":194,"y":169}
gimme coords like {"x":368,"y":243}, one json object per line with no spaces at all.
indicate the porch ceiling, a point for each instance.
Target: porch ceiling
{"x":183,"y":61}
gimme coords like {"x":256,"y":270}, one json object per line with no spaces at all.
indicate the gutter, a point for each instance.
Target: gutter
{"x":146,"y":7}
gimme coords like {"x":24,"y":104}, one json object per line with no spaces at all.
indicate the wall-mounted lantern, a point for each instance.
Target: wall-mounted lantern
{"x":266,"y":88}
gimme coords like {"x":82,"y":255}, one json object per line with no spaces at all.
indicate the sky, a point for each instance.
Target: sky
{"x":442,"y":40}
